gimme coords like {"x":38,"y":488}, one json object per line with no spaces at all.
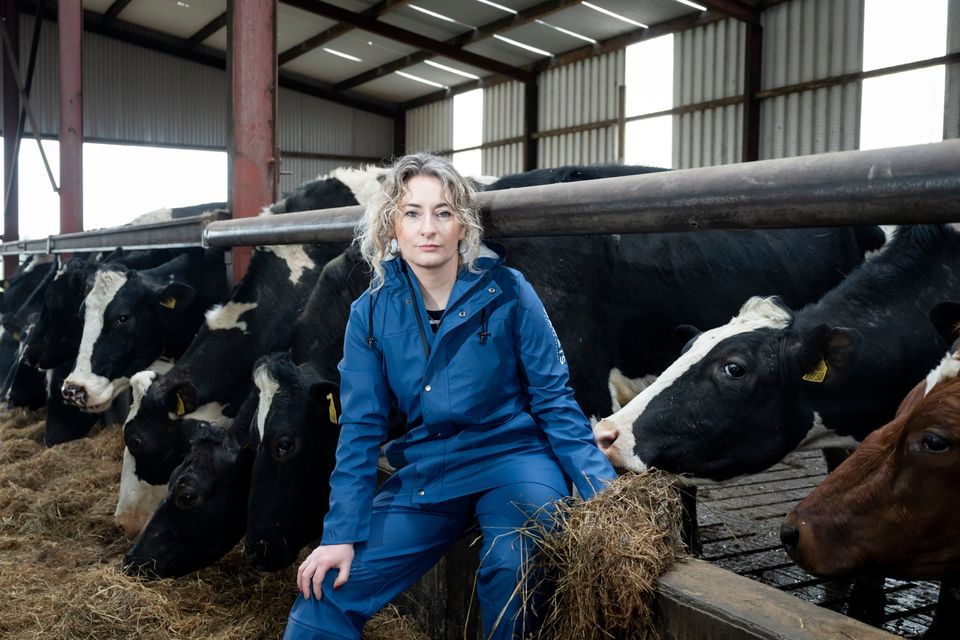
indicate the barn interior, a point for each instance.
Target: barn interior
{"x":719,"y":91}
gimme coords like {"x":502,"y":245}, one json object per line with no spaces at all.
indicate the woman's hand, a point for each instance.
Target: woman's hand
{"x":314,"y":568}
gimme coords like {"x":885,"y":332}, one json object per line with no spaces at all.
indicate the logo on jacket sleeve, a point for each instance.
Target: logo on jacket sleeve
{"x":561,"y":358}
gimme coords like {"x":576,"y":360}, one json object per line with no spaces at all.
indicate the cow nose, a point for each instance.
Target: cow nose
{"x":75,"y":394}
{"x":605,"y":434}
{"x":789,"y":538}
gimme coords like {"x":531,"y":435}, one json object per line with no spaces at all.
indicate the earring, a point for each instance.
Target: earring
{"x":394,"y":247}
{"x":462,"y":247}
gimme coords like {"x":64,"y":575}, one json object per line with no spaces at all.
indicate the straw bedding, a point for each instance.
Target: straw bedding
{"x":60,"y":558}
{"x":604,"y":556}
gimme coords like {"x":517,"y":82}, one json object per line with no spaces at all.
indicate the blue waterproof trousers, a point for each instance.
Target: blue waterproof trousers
{"x":407,"y":540}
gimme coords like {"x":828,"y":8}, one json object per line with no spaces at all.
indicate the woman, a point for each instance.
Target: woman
{"x":461,"y":349}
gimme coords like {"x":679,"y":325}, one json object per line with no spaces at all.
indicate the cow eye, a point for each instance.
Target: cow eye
{"x":185,"y":498}
{"x":734,"y":370}
{"x":121,"y":319}
{"x":134,"y":444}
{"x":934,"y":443}
{"x":284,"y":446}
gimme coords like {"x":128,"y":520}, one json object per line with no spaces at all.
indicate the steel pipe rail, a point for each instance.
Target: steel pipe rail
{"x":916,"y":184}
{"x":183,"y":232}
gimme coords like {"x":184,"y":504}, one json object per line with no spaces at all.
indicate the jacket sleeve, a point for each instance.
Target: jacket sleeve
{"x":551,"y":399}
{"x":365,"y":406}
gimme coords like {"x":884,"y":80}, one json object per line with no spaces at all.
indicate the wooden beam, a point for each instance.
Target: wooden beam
{"x":336,"y":31}
{"x":410,"y":38}
{"x":734,"y":9}
{"x":206,"y":31}
{"x":70,"y":40}
{"x":474,"y":35}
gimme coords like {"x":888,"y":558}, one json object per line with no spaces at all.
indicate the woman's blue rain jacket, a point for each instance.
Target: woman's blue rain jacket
{"x":489,"y":406}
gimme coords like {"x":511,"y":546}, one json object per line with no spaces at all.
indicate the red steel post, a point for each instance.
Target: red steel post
{"x":70,"y":27}
{"x":253,"y":82}
{"x":11,"y":126}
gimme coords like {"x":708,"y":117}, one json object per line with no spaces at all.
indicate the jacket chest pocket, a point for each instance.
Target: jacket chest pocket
{"x":481,"y":369}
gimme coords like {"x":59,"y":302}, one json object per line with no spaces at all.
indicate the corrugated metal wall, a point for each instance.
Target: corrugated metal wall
{"x":135,"y":95}
{"x":708,"y":65}
{"x":430,"y":128}
{"x":503,"y":119}
{"x":307,"y":124}
{"x":809,"y":40}
{"x":575,"y":94}
{"x":951,"y":112}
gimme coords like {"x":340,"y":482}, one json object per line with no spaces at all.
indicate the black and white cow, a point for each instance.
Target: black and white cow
{"x":296,"y":429}
{"x":215,"y":372}
{"x":197,"y":522}
{"x":746,"y":393}
{"x":132,"y":317}
{"x":19,"y":286}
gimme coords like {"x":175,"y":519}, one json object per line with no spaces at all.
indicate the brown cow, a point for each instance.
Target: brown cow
{"x":890,"y":508}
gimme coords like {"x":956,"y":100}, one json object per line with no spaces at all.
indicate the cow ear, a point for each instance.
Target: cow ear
{"x":946,"y":318}
{"x":13,"y":326}
{"x":181,"y":399}
{"x":826,"y":355}
{"x":327,"y":394}
{"x":683,"y":335}
{"x":176,"y":295}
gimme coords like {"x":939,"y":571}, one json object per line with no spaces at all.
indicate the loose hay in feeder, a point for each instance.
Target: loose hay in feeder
{"x":605,"y":555}
{"x":60,"y":558}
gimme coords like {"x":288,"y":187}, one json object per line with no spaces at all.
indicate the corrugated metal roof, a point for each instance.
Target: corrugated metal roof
{"x":184,"y":18}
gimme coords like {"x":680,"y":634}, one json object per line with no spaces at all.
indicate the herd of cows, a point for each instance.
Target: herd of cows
{"x":229,"y":398}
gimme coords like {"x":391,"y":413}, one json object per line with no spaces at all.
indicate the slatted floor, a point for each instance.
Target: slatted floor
{"x":739,"y":524}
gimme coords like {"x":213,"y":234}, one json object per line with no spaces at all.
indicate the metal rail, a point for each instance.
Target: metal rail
{"x":905,"y":185}
{"x":183,"y":232}
{"x":916,"y":184}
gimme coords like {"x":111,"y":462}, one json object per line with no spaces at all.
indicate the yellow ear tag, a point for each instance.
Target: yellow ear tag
{"x":180,"y":408}
{"x":16,"y":336}
{"x":818,"y":373}
{"x":169,"y":303}
{"x":333,"y":409}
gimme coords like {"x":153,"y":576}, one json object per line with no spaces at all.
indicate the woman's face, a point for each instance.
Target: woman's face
{"x":427,"y":228}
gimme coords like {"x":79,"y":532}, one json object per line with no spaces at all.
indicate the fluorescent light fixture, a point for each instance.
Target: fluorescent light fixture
{"x":433,"y":14}
{"x":341,"y":54}
{"x":498,"y":6}
{"x":699,"y":7}
{"x":615,"y":15}
{"x":410,"y":76}
{"x":522,"y":46}
{"x":452,"y":70}
{"x":567,"y":31}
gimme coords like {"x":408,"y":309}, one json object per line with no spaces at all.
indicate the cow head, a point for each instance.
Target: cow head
{"x":155,"y":436}
{"x":126,"y":315}
{"x":204,"y":512}
{"x":56,"y":335}
{"x":25,"y":385}
{"x":296,"y":427}
{"x":888,"y":508}
{"x":731,"y":403}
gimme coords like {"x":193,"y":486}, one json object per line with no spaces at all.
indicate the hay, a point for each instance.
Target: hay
{"x":604,"y":556}
{"x":60,"y":558}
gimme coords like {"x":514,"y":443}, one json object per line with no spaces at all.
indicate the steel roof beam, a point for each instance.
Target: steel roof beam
{"x":206,"y":31}
{"x":365,"y":23}
{"x":114,"y":10}
{"x":172,"y":45}
{"x":735,"y":9}
{"x":336,"y":31}
{"x":474,"y":35}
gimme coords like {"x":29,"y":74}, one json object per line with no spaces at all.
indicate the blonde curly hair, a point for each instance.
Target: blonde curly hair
{"x":377,"y":225}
